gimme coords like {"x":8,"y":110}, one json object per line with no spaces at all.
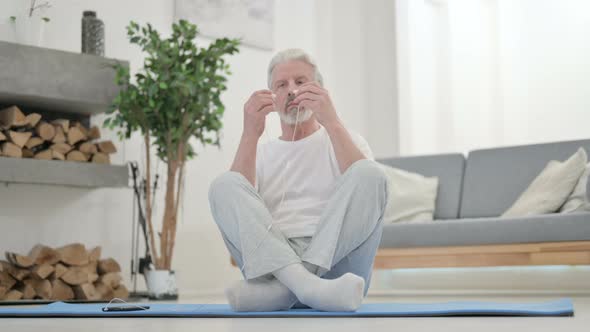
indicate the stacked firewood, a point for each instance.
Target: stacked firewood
{"x":28,"y":136}
{"x":67,"y":273}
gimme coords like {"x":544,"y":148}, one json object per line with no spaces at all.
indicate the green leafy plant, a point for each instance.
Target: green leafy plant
{"x":174,"y":98}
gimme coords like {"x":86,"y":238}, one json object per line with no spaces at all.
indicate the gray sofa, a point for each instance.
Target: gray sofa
{"x":474,"y":191}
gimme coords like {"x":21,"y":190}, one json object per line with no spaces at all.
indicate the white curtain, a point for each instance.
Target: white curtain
{"x":485,"y":73}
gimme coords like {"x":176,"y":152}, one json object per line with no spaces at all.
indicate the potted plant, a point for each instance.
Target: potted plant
{"x":173,"y":99}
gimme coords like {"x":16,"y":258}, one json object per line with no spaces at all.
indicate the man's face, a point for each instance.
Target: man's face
{"x":286,"y":79}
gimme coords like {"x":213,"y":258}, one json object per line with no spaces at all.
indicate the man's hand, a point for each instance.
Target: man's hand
{"x":312,"y":96}
{"x":255,"y":111}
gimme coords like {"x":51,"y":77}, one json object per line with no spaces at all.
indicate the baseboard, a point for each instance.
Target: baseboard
{"x":202,"y":293}
{"x":476,"y":292}
{"x":219,"y":293}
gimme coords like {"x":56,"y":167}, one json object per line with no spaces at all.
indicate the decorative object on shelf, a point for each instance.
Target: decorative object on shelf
{"x":70,"y":272}
{"x":92,"y":34}
{"x":29,"y":136}
{"x":29,"y":23}
{"x":173,"y":98}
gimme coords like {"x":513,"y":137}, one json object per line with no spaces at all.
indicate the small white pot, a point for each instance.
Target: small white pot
{"x":161,"y":284}
{"x":29,"y":30}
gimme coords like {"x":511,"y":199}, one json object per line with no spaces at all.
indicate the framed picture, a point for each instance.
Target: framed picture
{"x":250,"y":20}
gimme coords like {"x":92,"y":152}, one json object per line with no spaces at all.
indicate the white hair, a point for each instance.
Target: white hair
{"x":292,"y":54}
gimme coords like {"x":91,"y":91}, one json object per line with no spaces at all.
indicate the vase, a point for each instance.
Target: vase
{"x":161,"y":284}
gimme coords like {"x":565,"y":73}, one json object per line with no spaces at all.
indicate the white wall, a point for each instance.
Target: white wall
{"x":103,"y":216}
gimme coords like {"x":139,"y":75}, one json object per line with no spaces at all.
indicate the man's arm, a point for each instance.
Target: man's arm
{"x":245,"y":159}
{"x":346,"y":151}
{"x":255,"y":111}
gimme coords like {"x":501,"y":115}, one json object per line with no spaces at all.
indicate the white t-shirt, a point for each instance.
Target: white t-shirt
{"x":305,"y":170}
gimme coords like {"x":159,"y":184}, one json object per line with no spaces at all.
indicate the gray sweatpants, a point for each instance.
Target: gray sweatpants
{"x":346,"y":239}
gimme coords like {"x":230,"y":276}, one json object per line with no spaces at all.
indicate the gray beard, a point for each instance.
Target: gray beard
{"x":290,"y":116}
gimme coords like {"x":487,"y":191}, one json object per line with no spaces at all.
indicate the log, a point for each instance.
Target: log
{"x":44,"y":155}
{"x":75,"y":135}
{"x":91,"y":269}
{"x":88,"y":148}
{"x":75,"y":155}
{"x":108,"y":265}
{"x":12,"y":117}
{"x":57,"y":155}
{"x":33,"y":142}
{"x":74,"y":254}
{"x":32,"y":119}
{"x":93,"y":277}
{"x":75,"y":275}
{"x":81,"y":127}
{"x":94,"y":254}
{"x":106,"y":147}
{"x":86,"y":292}
{"x":3,"y":137}
{"x":27,"y":290}
{"x":60,"y":136}
{"x":15,"y":272}
{"x":45,"y":131}
{"x":121,"y":292}
{"x":43,"y":271}
{"x":19,"y":260}
{"x":28,"y":153}
{"x":11,"y":150}
{"x":19,"y":138}
{"x":105,"y":292}
{"x":3,"y":291}
{"x":101,"y":158}
{"x":60,"y":270}
{"x":42,"y":287}
{"x":41,"y":254}
{"x":62,"y":148}
{"x":13,"y":295}
{"x":111,"y":279}
{"x":6,"y":280}
{"x":94,"y":133}
{"x":63,"y":123}
{"x":61,"y":291}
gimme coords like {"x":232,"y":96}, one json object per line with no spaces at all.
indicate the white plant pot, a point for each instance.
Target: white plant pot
{"x":29,"y":30}
{"x":161,"y":284}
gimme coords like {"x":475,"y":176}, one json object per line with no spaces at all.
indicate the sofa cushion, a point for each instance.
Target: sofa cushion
{"x":495,"y":178}
{"x":578,"y":200}
{"x":411,"y":196}
{"x":553,"y":227}
{"x":550,"y":189}
{"x":449,"y":170}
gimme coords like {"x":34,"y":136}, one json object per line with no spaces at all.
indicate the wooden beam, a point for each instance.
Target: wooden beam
{"x":523,"y":254}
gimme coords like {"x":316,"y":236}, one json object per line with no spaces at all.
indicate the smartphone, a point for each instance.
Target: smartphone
{"x":125,"y":308}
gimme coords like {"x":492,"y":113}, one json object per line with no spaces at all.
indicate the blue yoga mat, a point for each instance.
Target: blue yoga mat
{"x":561,"y":307}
